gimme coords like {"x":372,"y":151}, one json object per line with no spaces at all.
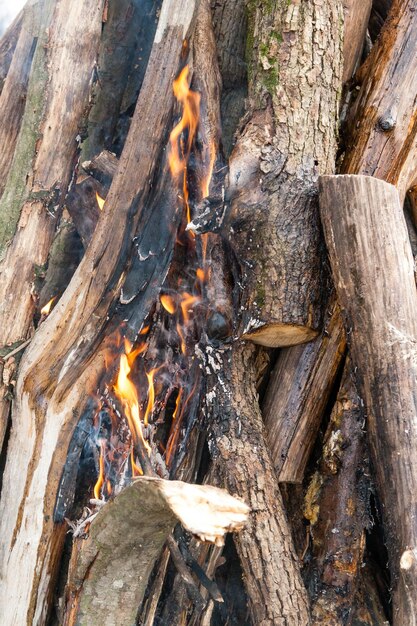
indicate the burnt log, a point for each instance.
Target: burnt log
{"x":64,"y":361}
{"x":373,"y":270}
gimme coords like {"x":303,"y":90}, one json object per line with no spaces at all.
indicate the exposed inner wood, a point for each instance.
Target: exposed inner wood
{"x":109,"y":570}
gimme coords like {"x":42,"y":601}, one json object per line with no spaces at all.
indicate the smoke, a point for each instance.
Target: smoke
{"x":8,"y":11}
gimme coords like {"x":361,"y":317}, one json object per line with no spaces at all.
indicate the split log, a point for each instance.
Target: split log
{"x":382,"y":127}
{"x":8,"y":45}
{"x":373,"y":271}
{"x":335,"y":505}
{"x":63,"y":363}
{"x":109,"y":570}
{"x":356,"y":22}
{"x":379,"y":13}
{"x":298,"y":391}
{"x":288,"y":140}
{"x":41,"y":169}
{"x":123,"y":32}
{"x":13,"y":94}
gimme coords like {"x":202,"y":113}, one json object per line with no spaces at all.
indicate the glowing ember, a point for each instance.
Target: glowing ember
{"x":47,"y":308}
{"x":100,"y":201}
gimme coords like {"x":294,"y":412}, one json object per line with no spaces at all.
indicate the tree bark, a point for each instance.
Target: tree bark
{"x":64,"y":361}
{"x":275,"y":165}
{"x":373,"y":271}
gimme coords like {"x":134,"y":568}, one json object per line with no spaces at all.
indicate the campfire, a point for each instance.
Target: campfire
{"x":207,"y":313}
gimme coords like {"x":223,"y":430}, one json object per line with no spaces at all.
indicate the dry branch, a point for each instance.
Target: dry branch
{"x":110,"y":569}
{"x":373,"y":270}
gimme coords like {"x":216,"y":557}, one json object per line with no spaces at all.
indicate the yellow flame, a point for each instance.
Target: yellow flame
{"x":47,"y":308}
{"x":205,"y":186}
{"x":100,"y":480}
{"x":151,"y":395}
{"x":100,"y":201}
{"x":168,"y":303}
{"x":126,"y":391}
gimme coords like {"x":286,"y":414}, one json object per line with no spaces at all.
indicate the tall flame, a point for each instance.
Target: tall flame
{"x":191,"y":105}
{"x":100,"y":480}
{"x":100,"y":201}
{"x":126,"y":391}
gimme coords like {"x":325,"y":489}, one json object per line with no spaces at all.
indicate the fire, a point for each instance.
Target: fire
{"x":126,"y":391}
{"x":47,"y":308}
{"x":205,"y":187}
{"x":100,"y":480}
{"x":100,"y":201}
{"x":191,"y":105}
{"x":151,"y":395}
{"x":187,"y":303}
{"x":168,"y":303}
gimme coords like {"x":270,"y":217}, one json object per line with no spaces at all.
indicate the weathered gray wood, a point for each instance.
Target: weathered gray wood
{"x":357,"y":14}
{"x":8,"y":45}
{"x":109,"y":571}
{"x":373,"y":270}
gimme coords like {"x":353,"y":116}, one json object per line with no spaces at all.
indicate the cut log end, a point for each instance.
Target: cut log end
{"x":278,"y":335}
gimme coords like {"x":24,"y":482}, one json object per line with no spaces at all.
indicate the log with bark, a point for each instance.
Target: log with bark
{"x":373,"y":269}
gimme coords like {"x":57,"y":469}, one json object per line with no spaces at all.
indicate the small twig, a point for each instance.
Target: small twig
{"x":16,"y":350}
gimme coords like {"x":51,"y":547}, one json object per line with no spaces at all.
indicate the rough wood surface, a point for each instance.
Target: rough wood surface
{"x":44,"y":157}
{"x":382,"y":128}
{"x":357,"y":14}
{"x":241,"y":464}
{"x":109,"y":570}
{"x":335,"y":505}
{"x":298,"y":391}
{"x":373,"y":270}
{"x":64,"y":361}
{"x":8,"y":45}
{"x":294,"y":74}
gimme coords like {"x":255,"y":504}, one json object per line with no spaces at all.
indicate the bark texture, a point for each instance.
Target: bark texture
{"x":373,"y":271}
{"x":289,"y":138}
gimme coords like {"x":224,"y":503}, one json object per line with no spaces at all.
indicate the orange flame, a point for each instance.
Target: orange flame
{"x":126,"y":391}
{"x":45,"y":310}
{"x":205,"y":186}
{"x":100,"y":201}
{"x":151,"y":395}
{"x":168,"y":303}
{"x":100,"y":480}
{"x":191,"y":105}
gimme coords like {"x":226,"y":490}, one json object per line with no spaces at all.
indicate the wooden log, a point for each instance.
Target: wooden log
{"x":42,"y":167}
{"x":379,"y":13}
{"x":335,"y":505}
{"x":126,"y":537}
{"x":64,"y":362}
{"x":356,"y":15}
{"x":8,"y":45}
{"x":241,"y":464}
{"x":381,"y":130}
{"x":275,"y":164}
{"x":373,"y":270}
{"x":298,"y":391}
{"x":13,"y":93}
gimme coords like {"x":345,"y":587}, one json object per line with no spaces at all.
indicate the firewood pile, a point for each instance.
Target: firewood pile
{"x":208,"y":313}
